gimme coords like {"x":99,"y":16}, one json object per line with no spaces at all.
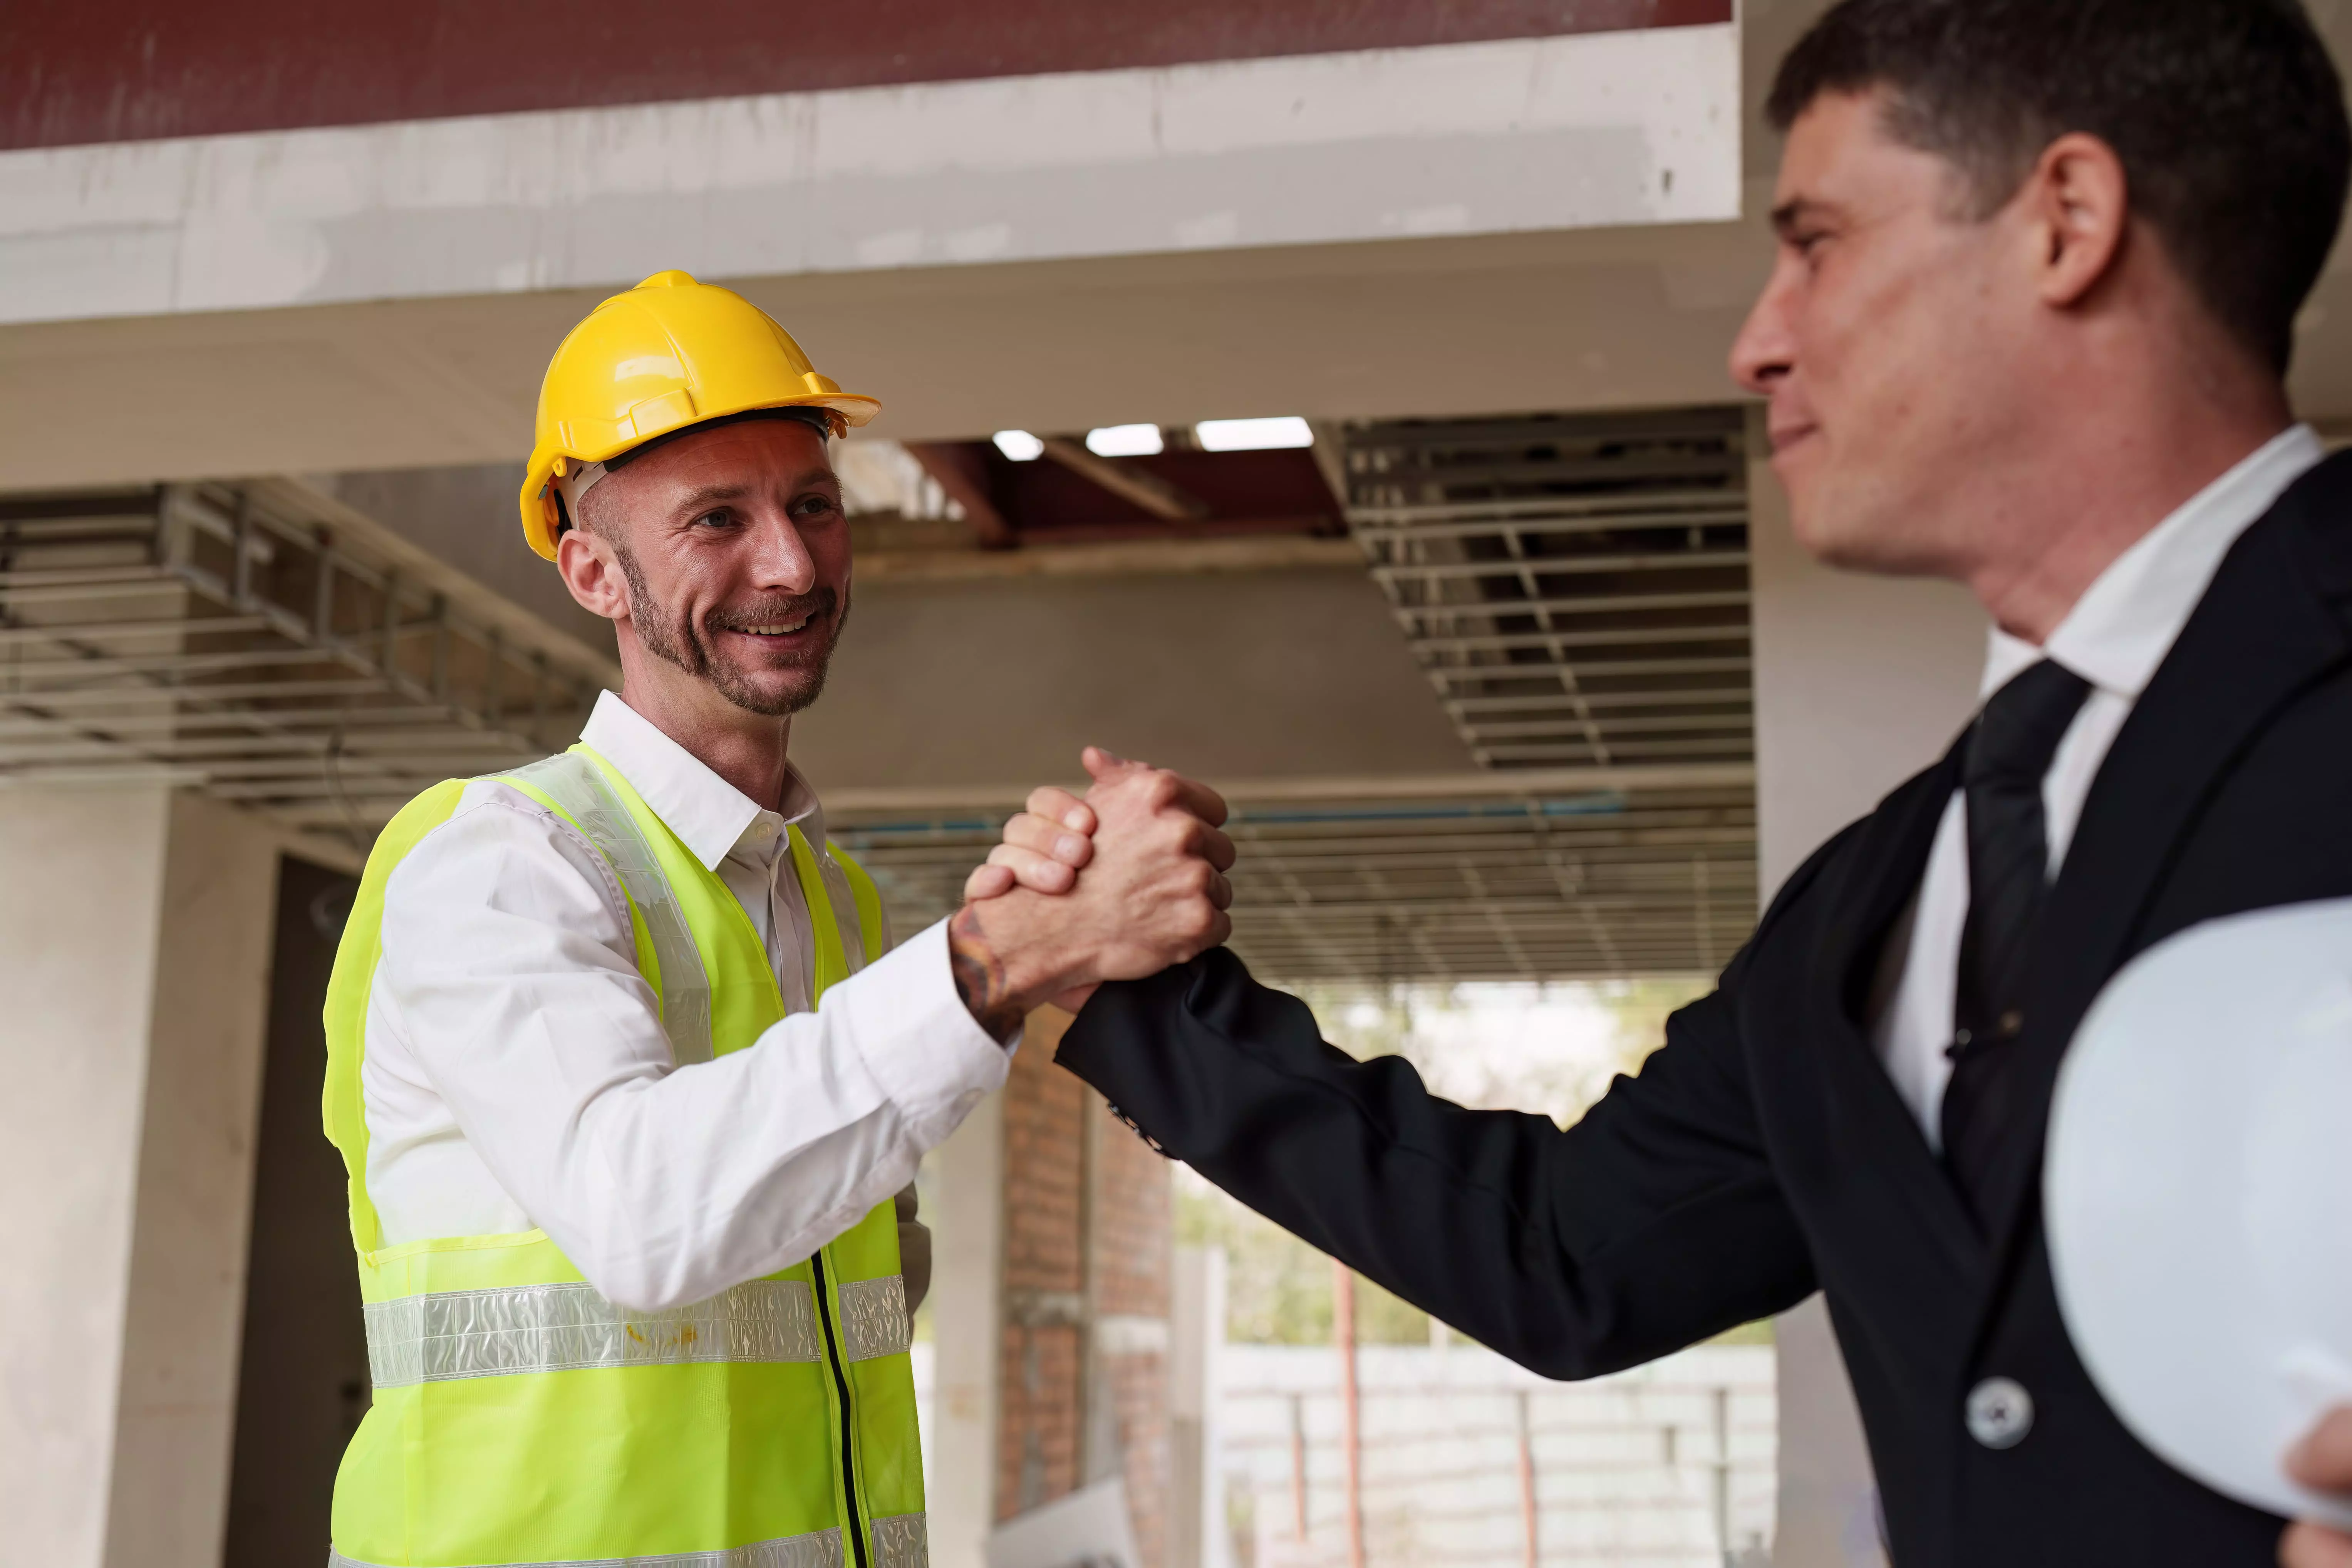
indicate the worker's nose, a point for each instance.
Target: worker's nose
{"x":781,"y":561}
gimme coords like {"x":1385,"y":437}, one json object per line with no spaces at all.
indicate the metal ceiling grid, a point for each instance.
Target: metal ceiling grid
{"x":1541,"y":886}
{"x":258,"y":644}
{"x":1575,"y":586}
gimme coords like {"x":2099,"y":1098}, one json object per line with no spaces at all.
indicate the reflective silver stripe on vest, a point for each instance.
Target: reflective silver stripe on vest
{"x":820,"y":1550}
{"x":901,"y":1541}
{"x":846,"y":917}
{"x":565,"y":1328}
{"x":587,"y":796}
{"x":873,"y":1319}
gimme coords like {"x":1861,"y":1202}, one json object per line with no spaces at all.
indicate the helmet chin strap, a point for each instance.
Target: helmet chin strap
{"x":576,"y":480}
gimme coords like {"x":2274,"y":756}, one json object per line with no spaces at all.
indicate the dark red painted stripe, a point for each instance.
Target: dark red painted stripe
{"x":76,"y":71}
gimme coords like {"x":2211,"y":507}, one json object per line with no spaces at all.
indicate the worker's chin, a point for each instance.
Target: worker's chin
{"x":775,"y":693}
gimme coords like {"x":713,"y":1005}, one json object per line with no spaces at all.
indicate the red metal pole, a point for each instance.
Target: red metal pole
{"x":1299,"y":1465}
{"x":1343,"y":1336}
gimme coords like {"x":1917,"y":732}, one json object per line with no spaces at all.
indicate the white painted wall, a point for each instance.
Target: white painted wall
{"x":1860,"y":682}
{"x":135,"y":942}
{"x":1635,"y":127}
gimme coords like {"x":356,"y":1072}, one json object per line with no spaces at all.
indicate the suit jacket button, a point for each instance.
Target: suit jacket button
{"x":2001,"y":1413}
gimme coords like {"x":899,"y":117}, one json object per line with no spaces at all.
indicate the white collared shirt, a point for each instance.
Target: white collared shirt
{"x":2117,"y":635}
{"x":517,"y":1076}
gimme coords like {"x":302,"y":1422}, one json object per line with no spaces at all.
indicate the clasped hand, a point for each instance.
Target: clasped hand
{"x":1116,"y":886}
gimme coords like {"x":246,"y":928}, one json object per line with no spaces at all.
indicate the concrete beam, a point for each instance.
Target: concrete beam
{"x":1292,"y":150}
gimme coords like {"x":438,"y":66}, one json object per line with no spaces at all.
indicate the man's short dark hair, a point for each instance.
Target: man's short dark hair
{"x":2228,"y":116}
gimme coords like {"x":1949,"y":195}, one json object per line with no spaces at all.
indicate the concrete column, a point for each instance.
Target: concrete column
{"x":967,"y":1283}
{"x":135,"y":942}
{"x":1197,"y":1536}
{"x":1860,"y":682}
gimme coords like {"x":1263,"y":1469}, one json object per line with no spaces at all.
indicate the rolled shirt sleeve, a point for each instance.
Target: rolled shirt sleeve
{"x":518,"y":1076}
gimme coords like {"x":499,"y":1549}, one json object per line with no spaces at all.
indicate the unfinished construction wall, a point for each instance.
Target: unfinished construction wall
{"x":1089,"y":1250}
{"x":1002,"y":682}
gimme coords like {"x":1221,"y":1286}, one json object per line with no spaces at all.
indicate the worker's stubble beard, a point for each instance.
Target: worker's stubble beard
{"x":676,"y":640}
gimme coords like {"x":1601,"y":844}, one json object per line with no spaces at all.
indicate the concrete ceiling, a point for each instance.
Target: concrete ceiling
{"x":1585,"y":319}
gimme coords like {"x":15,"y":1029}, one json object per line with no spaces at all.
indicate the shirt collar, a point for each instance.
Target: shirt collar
{"x":711,"y":817}
{"x":2127,"y":620}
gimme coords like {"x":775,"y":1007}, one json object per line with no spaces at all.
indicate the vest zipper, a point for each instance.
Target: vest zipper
{"x":856,"y":1523}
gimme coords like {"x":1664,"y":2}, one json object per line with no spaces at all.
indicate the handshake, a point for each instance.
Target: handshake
{"x":1118,"y":886}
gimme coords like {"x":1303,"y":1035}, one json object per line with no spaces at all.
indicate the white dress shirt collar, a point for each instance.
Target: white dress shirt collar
{"x":711,"y":817}
{"x":2127,"y":620}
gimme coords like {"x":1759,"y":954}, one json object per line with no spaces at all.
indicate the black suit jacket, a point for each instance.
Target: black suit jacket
{"x":1763,"y":1151}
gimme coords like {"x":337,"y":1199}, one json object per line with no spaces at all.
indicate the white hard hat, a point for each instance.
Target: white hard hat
{"x":2199,"y":1196}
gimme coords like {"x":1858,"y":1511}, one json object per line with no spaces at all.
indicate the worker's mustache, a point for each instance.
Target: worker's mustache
{"x":776,"y":610}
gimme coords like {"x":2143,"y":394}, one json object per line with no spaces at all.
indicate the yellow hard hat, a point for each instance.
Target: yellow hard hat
{"x":669,"y":353}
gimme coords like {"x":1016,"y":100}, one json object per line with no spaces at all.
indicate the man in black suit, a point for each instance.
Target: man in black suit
{"x":2039,"y":264}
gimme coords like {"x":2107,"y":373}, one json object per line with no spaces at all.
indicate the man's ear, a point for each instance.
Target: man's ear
{"x":592,"y":570}
{"x":2078,"y":204}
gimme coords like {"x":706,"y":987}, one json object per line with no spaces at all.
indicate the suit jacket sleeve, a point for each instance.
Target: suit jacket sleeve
{"x":1653,"y":1223}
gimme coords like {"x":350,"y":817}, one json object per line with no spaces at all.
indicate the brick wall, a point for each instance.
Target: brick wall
{"x":1068,"y":1416}
{"x":1037,"y":1457}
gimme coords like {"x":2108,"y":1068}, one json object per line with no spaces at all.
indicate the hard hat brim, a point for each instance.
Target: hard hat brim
{"x":2195,"y":1195}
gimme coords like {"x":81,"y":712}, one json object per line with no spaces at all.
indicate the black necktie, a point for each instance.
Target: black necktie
{"x":2009,"y":858}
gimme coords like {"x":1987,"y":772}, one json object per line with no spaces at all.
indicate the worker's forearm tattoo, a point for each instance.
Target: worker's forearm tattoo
{"x":980,"y":977}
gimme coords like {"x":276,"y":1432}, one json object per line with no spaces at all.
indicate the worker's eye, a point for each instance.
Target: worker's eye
{"x":720,"y":517}
{"x":816,"y":504}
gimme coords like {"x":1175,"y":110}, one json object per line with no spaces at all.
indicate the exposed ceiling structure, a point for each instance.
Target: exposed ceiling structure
{"x":1575,"y":590}
{"x":1515,"y":876}
{"x":263,"y":645}
{"x":1064,"y":492}
{"x":1575,"y":587}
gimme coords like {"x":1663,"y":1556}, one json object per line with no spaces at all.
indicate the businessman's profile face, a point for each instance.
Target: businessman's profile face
{"x":1885,"y":342}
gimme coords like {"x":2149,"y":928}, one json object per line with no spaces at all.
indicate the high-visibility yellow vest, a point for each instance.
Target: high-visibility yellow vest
{"x":519,"y":1416}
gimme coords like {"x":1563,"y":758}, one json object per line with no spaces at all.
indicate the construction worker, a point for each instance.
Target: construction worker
{"x":623,"y":1066}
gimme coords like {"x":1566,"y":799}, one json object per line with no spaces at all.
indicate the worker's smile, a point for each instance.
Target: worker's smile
{"x":797,"y":629}
{"x":782,"y":629}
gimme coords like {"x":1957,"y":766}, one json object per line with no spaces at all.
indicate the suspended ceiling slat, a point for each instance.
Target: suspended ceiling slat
{"x":258,"y":642}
